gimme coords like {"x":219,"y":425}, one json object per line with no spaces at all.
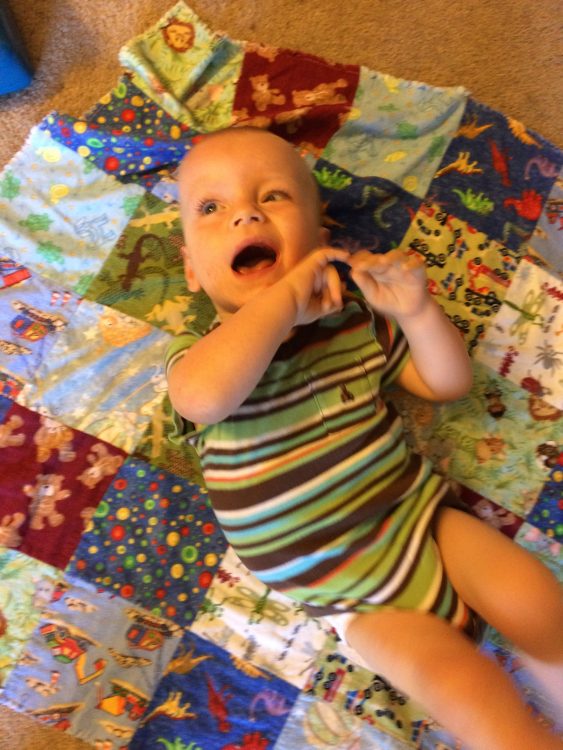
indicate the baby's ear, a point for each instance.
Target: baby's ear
{"x":192,"y":282}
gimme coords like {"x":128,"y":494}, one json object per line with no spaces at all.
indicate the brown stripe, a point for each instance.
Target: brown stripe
{"x":311,"y":336}
{"x":230,"y":499}
{"x":379,"y":505}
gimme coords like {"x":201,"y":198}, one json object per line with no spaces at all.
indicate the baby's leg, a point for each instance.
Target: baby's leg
{"x":510,"y":589}
{"x":440,"y":668}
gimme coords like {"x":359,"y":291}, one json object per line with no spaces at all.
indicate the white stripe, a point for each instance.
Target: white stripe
{"x":429,"y":600}
{"x":382,"y":595}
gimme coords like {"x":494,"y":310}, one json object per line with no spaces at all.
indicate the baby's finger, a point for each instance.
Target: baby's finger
{"x":333,"y":297}
{"x":325,"y":255}
{"x":369,"y":262}
{"x":413,"y":261}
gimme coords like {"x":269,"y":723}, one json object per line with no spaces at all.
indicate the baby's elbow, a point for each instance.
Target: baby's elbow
{"x":198,"y":410}
{"x":459,"y":388}
{"x":206,"y":414}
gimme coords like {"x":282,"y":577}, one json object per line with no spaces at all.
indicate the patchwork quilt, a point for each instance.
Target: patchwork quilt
{"x":125,"y":618}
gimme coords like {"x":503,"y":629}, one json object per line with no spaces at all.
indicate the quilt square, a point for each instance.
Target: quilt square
{"x":144,"y":275}
{"x":26,"y":588}
{"x":123,"y":147}
{"x":305,"y":102}
{"x":500,"y":651}
{"x":188,"y":69}
{"x":547,"y":239}
{"x":33,"y":313}
{"x":81,"y":676}
{"x":355,"y":693}
{"x":546,"y":549}
{"x":486,"y":175}
{"x":468,"y":273}
{"x":547,"y":513}
{"x":121,"y":360}
{"x":491,"y":438}
{"x":397,"y":130}
{"x":521,"y":343}
{"x":52,"y":479}
{"x":209,"y":699}
{"x":153,"y":540}
{"x":259,"y":625}
{"x":59,"y":215}
{"x":363,"y":213}
{"x":314,"y":723}
{"x":495,"y":515}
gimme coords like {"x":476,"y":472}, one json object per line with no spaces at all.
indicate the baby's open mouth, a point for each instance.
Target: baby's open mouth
{"x":253,"y":258}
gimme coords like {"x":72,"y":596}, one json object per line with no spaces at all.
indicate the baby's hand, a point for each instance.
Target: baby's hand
{"x":393,"y":284}
{"x":315,"y":285}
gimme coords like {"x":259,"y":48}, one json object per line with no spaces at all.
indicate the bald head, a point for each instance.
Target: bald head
{"x":261,"y":143}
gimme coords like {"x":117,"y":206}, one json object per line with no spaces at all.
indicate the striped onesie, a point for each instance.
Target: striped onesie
{"x":313,"y":483}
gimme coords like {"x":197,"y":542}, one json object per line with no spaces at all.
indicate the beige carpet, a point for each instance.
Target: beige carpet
{"x":508,"y":54}
{"x":505,"y":53}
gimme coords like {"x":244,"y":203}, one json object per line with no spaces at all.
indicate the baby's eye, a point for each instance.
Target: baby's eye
{"x":207,"y":207}
{"x":275,"y":195}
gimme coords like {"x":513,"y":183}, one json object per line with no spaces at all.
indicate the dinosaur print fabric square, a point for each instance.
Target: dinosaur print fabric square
{"x":521,"y":343}
{"x":397,"y":130}
{"x":496,"y":175}
{"x":210,"y":699}
{"x":265,"y":627}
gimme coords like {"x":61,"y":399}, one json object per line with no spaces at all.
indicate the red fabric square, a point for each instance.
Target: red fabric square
{"x":302,"y":98}
{"x":494,"y":514}
{"x":52,"y":478}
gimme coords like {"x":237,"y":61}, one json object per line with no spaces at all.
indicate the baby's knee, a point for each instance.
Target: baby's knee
{"x":406,"y":646}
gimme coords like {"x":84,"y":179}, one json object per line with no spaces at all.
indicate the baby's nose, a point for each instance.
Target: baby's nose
{"x":247,"y":215}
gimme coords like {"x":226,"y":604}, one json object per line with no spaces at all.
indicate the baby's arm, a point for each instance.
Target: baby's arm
{"x":220,"y":371}
{"x":394,"y":284}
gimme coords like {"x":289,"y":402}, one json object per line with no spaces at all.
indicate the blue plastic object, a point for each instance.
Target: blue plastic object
{"x":15,"y":69}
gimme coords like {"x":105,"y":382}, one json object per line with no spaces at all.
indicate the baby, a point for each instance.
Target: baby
{"x":306,"y":463}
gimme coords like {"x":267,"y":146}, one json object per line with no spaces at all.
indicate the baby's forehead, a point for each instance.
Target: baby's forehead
{"x":219,"y":157}
{"x":239,"y":143}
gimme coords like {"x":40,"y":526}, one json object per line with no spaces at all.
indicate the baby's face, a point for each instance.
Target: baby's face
{"x":249,"y":212}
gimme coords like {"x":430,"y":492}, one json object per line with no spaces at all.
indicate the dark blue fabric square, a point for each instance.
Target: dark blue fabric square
{"x":487,"y":174}
{"x":208,"y":700}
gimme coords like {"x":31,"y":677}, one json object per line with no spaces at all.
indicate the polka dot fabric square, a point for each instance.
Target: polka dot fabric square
{"x":154,"y":541}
